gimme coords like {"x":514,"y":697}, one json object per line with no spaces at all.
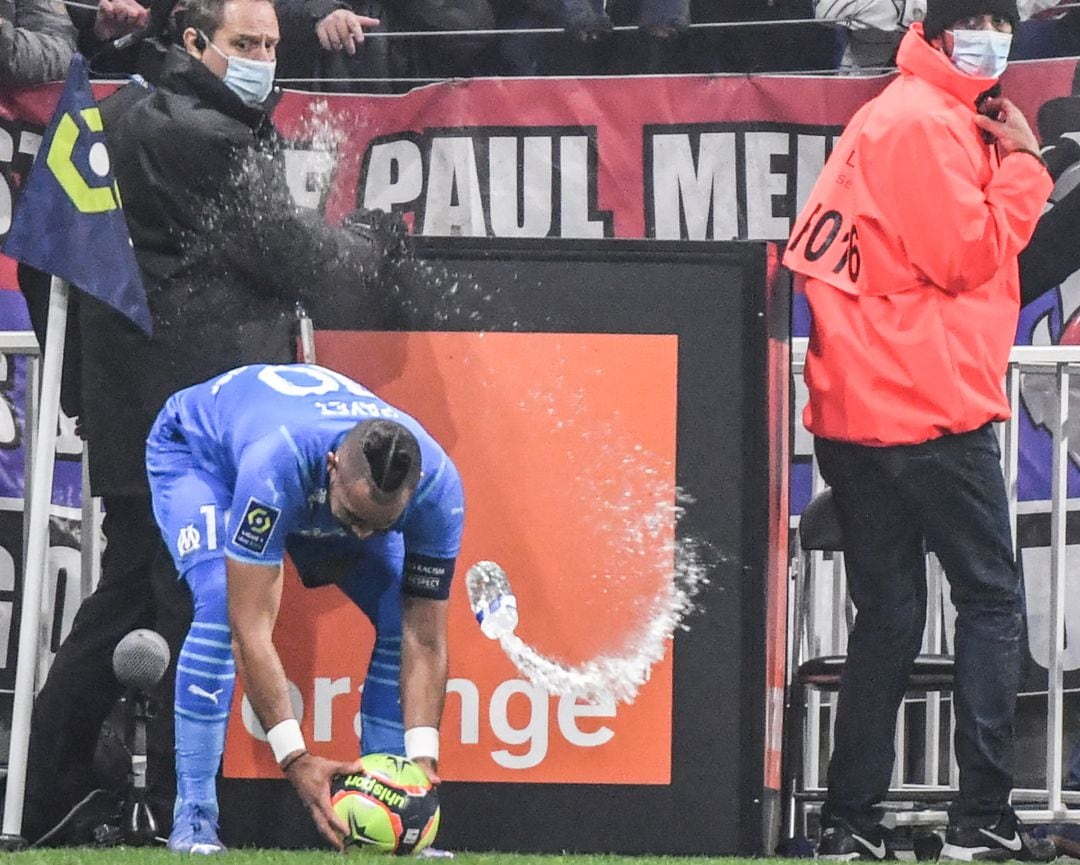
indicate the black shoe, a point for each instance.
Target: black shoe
{"x":843,"y":842}
{"x":1004,"y":840}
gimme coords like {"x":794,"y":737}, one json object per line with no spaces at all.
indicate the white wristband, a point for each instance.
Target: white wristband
{"x":422,"y":742}
{"x":285,"y":737}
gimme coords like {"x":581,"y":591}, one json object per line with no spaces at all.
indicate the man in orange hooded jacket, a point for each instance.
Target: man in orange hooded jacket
{"x":907,"y":250}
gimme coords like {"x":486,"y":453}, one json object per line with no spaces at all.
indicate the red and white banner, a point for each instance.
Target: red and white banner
{"x":686,"y":157}
{"x":672,"y":158}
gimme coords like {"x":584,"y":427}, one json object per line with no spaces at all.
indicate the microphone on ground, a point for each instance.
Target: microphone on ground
{"x":140,"y":659}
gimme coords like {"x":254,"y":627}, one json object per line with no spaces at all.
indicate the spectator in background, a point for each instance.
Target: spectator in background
{"x":104,"y":31}
{"x":116,"y":18}
{"x":224,"y":255}
{"x":1046,"y":30}
{"x":785,"y":45}
{"x":769,"y":48}
{"x":438,"y":56}
{"x":37,"y":40}
{"x":907,"y":250}
{"x":874,"y":29}
{"x":659,"y":44}
{"x":326,"y":40}
{"x":1052,"y":256}
{"x":585,"y":21}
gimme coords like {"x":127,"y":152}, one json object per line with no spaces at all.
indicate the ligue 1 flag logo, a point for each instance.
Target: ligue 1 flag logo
{"x":68,"y":221}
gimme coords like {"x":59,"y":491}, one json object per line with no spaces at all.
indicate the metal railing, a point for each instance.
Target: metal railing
{"x":23,"y":344}
{"x":843,"y":22}
{"x":1062,"y":363}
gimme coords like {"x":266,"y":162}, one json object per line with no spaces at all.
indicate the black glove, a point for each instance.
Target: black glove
{"x":385,"y":231}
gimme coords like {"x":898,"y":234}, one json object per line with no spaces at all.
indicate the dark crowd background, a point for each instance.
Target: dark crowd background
{"x":423,"y":40}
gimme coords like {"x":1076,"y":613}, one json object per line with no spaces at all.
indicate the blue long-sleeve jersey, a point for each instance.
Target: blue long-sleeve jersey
{"x":264,"y":431}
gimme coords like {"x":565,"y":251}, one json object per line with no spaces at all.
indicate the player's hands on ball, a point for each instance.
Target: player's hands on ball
{"x":428,"y":765}
{"x":310,"y":776}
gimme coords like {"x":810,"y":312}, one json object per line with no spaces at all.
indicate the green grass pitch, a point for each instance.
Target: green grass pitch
{"x":145,"y":856}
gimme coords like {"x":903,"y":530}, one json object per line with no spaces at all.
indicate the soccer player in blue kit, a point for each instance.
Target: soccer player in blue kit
{"x":269,"y":459}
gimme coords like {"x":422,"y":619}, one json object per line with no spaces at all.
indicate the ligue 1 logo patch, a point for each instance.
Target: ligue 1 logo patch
{"x":255,"y":526}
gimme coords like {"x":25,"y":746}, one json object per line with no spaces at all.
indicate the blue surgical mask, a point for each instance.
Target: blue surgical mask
{"x":251,"y":80}
{"x":981,"y":53}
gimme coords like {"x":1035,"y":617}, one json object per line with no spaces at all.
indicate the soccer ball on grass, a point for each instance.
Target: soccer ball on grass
{"x":389,"y":806}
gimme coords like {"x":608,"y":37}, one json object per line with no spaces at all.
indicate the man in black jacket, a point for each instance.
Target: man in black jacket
{"x":225,"y":256}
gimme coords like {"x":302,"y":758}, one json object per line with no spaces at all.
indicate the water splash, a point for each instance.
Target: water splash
{"x":427,"y":292}
{"x":324,"y":130}
{"x":623,"y":673}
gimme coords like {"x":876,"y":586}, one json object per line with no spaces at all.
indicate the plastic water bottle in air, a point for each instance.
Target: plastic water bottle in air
{"x":492,"y":600}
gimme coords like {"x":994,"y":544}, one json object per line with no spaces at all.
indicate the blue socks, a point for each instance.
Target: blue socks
{"x":205,"y":677}
{"x":381,"y":727}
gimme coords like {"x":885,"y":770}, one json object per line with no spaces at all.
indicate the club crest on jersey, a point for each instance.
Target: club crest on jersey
{"x":255,"y":526}
{"x":188,"y":540}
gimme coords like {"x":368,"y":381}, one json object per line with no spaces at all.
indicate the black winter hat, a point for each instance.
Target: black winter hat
{"x":941,"y":13}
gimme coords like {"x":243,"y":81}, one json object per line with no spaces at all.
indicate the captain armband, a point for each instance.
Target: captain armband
{"x":427,"y":577}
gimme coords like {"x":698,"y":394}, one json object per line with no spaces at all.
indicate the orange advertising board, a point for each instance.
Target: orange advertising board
{"x":566,"y":447}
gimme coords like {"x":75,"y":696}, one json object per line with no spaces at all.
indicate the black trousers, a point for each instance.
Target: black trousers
{"x":950,"y":494}
{"x":138,"y":589}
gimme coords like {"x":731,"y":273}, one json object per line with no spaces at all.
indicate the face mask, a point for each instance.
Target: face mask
{"x":251,"y":80}
{"x":982,"y":53}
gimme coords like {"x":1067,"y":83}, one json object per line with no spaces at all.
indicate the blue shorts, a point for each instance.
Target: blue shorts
{"x":371,"y":579}
{"x":191,"y":505}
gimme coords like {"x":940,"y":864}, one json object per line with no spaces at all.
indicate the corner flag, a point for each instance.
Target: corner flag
{"x":68,"y":221}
